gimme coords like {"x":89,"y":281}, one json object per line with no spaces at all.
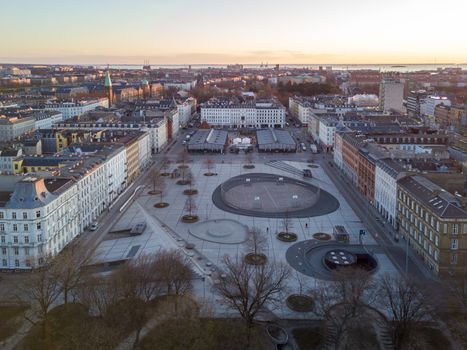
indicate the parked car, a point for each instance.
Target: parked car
{"x":94,"y":226}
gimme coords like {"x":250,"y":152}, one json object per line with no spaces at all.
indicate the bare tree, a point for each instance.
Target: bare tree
{"x":190,"y":206}
{"x":158,"y":181}
{"x":131,"y":282}
{"x":247,"y":288}
{"x":183,"y":158}
{"x":286,"y":222}
{"x":41,"y":289}
{"x":248,"y":157}
{"x":209,"y":163}
{"x":404,"y":300}
{"x":68,"y":268}
{"x":186,"y":176}
{"x":257,"y":241}
{"x":98,"y":293}
{"x":165,"y":164}
{"x":340,"y":302}
{"x":173,"y":271}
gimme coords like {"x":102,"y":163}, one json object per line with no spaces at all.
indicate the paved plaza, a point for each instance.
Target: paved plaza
{"x":213,"y":240}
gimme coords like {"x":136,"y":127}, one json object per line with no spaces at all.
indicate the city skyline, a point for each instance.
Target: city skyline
{"x":219,"y":33}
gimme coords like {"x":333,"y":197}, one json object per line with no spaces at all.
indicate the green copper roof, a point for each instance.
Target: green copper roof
{"x":107,"y":82}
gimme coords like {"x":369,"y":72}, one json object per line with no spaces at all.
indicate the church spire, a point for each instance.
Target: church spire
{"x":108,"y":86}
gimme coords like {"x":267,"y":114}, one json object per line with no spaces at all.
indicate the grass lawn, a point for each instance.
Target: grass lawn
{"x":10,"y":320}
{"x":205,"y":334}
{"x":307,"y":338}
{"x":71,"y":327}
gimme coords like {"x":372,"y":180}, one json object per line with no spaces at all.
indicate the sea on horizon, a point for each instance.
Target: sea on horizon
{"x":402,"y":68}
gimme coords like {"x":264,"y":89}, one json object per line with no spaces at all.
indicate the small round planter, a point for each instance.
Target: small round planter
{"x":183,"y":166}
{"x":287,"y":236}
{"x":313,"y":166}
{"x":190,"y":192}
{"x":278,"y":334}
{"x":161,"y":205}
{"x":300,"y":303}
{"x":154,"y":192}
{"x":321,"y":236}
{"x":248,"y":166}
{"x":183,"y":182}
{"x":210,"y":174}
{"x":256,"y":259}
{"x":190,"y":218}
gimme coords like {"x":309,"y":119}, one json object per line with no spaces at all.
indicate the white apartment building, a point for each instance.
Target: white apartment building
{"x":43,"y":215}
{"x":6,"y":160}
{"x":327,"y":132}
{"x":180,"y":85}
{"x":300,"y":108}
{"x":337,"y":156}
{"x":73,"y":109}
{"x":13,"y":127}
{"x":45,"y":119}
{"x":386,"y":175}
{"x":185,"y":110}
{"x":156,"y":128}
{"x":391,"y":95}
{"x":40,"y":218}
{"x":258,"y":114}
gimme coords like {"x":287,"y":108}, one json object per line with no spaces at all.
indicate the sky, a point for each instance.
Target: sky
{"x":233,"y":31}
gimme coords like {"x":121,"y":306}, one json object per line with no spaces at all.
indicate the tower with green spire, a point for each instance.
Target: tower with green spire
{"x":108,"y":86}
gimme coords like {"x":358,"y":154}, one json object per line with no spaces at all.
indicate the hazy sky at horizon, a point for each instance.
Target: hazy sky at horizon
{"x":210,"y":31}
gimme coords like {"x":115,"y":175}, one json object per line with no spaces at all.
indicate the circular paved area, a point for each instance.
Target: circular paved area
{"x":273,"y":196}
{"x":222,"y":231}
{"x":308,"y":256}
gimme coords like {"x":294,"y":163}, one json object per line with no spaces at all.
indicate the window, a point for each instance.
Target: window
{"x":436,"y":255}
{"x":13,"y":215}
{"x":39,"y":238}
{"x":4,"y":251}
{"x":2,"y":215}
{"x":16,"y":250}
{"x":455,"y":229}
{"x":38,"y":214}
{"x":2,"y":226}
{"x":4,"y":262}
{"x":26,"y":239}
{"x":25,"y":215}
{"x":453,"y":259}
{"x":26,"y":227}
{"x":26,"y":251}
{"x":3,"y":239}
{"x":454,"y":244}
{"x":28,"y":263}
{"x":38,"y":225}
{"x":15,"y":227}
{"x":16,"y":263}
{"x":15,"y":239}
{"x":445,"y":228}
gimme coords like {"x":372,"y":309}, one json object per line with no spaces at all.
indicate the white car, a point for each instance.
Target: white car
{"x":94,"y":226}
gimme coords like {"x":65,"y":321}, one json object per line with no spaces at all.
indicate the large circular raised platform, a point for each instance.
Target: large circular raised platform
{"x":224,"y":231}
{"x":319,"y":259}
{"x":273,"y":196}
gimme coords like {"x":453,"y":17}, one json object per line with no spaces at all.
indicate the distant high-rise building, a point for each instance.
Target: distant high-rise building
{"x":414,"y":100}
{"x":391,"y":95}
